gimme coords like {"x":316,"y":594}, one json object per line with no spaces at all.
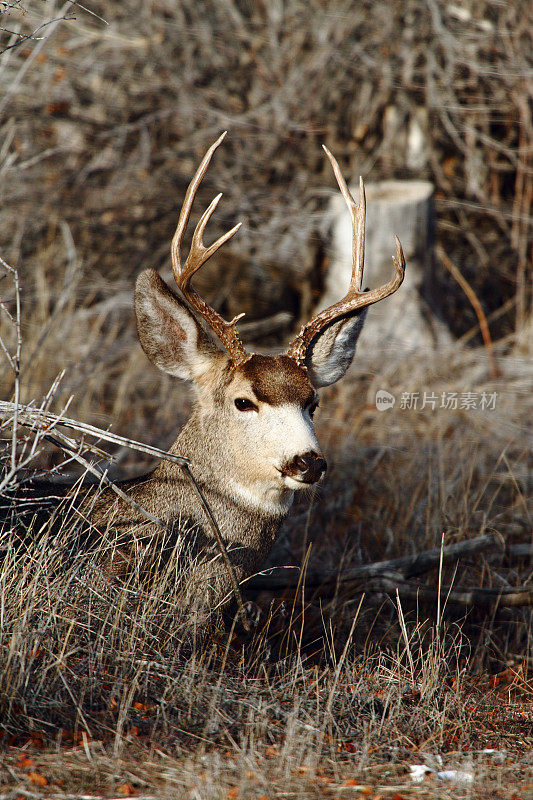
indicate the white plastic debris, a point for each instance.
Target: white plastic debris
{"x":419,"y":771}
{"x":498,"y":756}
{"x":455,"y":775}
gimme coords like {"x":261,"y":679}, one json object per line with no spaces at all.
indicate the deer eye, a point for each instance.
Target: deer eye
{"x":243,"y":404}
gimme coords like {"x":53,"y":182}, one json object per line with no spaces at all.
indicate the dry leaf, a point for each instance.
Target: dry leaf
{"x":126,"y":789}
{"x":36,"y":741}
{"x":37,"y":779}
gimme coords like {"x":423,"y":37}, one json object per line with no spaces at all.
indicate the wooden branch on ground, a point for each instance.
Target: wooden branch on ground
{"x":404,"y":567}
{"x":508,"y":597}
{"x":520,"y":550}
{"x":395,"y":575}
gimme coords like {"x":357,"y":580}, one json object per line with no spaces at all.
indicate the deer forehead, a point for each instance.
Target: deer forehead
{"x":275,"y":380}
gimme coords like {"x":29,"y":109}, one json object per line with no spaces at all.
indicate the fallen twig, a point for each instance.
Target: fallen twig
{"x":456,"y":595}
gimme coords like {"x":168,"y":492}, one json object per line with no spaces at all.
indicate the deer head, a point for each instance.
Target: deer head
{"x":258,"y":409}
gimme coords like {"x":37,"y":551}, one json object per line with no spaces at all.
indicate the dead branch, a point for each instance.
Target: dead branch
{"x":31,"y":417}
{"x":41,"y":42}
{"x":507,"y":597}
{"x":395,"y":568}
{"x":265,"y":326}
{"x":520,"y":550}
{"x":476,"y":305}
{"x":394,"y":575}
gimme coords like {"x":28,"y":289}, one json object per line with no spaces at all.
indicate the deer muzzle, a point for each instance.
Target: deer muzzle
{"x":307,"y":468}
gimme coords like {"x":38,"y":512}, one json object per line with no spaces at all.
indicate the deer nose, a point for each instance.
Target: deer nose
{"x":307,"y":468}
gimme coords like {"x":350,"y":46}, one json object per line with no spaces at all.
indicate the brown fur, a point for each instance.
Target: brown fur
{"x":247,"y":532}
{"x":278,"y":380}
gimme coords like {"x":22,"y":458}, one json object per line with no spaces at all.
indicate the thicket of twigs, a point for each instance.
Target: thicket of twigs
{"x":101,"y":127}
{"x":102,"y":123}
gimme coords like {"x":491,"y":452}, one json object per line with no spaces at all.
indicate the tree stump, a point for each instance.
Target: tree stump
{"x":408,"y":320}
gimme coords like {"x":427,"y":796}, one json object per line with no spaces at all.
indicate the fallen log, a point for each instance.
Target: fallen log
{"x":403,"y":568}
{"x":395,"y":576}
{"x":508,"y":597}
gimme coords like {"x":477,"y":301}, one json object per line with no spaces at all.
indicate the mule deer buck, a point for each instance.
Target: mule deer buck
{"x":250,"y":438}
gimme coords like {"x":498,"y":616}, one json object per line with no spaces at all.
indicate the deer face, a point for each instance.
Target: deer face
{"x":271,"y":403}
{"x":256,"y":417}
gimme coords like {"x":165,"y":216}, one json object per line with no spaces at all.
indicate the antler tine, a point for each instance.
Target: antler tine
{"x":355,"y":297}
{"x":198,"y":255}
{"x":358,"y":216}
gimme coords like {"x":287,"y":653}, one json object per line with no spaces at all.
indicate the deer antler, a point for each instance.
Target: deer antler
{"x":198,"y":255}
{"x":355,"y":298}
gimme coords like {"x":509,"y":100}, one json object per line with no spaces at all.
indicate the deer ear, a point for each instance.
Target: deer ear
{"x":169,"y":334}
{"x":331,"y":353}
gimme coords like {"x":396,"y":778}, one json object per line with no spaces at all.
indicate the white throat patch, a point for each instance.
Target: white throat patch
{"x":260,"y":501}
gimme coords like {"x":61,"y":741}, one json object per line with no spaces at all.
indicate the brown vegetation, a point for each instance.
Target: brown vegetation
{"x":101,"y":126}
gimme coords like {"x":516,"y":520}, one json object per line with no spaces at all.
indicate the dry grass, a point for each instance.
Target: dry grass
{"x":124,"y":694}
{"x":126,"y":691}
